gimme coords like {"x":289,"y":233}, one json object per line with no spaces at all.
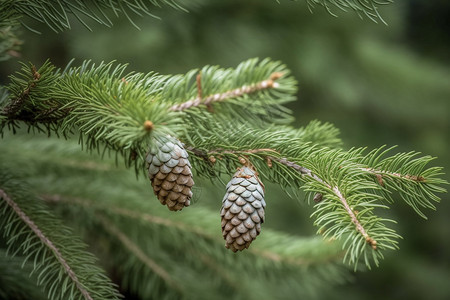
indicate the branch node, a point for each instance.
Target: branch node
{"x":199,"y":86}
{"x":371,"y":242}
{"x":380,"y":179}
{"x":36,"y":75}
{"x":242,"y":160}
{"x":276,"y":75}
{"x":269,"y":162}
{"x":148,"y":125}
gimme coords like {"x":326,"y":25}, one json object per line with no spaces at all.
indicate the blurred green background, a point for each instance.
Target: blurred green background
{"x":378,"y":84}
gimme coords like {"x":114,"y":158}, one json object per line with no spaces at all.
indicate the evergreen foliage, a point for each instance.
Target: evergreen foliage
{"x":160,"y":253}
{"x":15,"y":279}
{"x":225,"y":118}
{"x":367,"y":7}
{"x":56,"y":14}
{"x":63,"y":268}
{"x":113,"y":109}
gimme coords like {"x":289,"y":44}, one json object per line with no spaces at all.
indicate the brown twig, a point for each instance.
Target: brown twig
{"x":380,"y":174}
{"x":246,"y":89}
{"x":199,"y":86}
{"x":47,"y":242}
{"x":148,"y":125}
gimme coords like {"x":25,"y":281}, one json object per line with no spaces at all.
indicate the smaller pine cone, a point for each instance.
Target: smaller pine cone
{"x":242,"y":209}
{"x":170,"y":173}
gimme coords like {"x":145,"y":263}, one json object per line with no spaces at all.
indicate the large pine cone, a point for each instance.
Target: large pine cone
{"x":242,"y":209}
{"x":169,"y":171}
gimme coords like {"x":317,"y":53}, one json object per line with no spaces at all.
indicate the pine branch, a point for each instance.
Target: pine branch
{"x":64,"y":269}
{"x":15,"y":279}
{"x":351,"y":196}
{"x":406,"y":174}
{"x":127,"y":113}
{"x":367,"y":7}
{"x":180,"y":224}
{"x":56,"y":14}
{"x":174,"y":232}
{"x":135,"y":250}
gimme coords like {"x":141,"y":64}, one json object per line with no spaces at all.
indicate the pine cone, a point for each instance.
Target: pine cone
{"x":242,"y":209}
{"x":169,"y":171}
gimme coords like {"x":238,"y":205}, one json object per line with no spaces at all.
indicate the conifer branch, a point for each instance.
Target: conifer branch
{"x":239,"y":92}
{"x":367,"y":7}
{"x":381,"y":173}
{"x":337,"y":192}
{"x":128,"y":113}
{"x":17,"y":279}
{"x":15,"y":106}
{"x":355,"y":221}
{"x":210,"y":155}
{"x":55,"y":14}
{"x":62,"y":267}
{"x":135,"y":250}
{"x":146,"y":217}
{"x":154,"y":219}
{"x":124,"y":112}
{"x":44,"y":239}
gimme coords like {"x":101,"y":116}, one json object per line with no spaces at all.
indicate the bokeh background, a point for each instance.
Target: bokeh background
{"x":378,"y":84}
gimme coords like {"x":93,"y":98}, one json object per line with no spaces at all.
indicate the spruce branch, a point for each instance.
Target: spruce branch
{"x":350,"y":194}
{"x":367,"y":7}
{"x":136,"y":251}
{"x":406,"y":174}
{"x":124,"y":111}
{"x":16,"y":280}
{"x":128,"y":113}
{"x":56,"y":14}
{"x":13,"y":108}
{"x":337,"y":192}
{"x":62,"y":266}
{"x":47,"y":242}
{"x":176,"y":234}
{"x":263,"y":252}
{"x":302,"y":170}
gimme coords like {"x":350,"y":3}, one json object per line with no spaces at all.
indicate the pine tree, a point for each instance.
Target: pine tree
{"x":225,"y":119}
